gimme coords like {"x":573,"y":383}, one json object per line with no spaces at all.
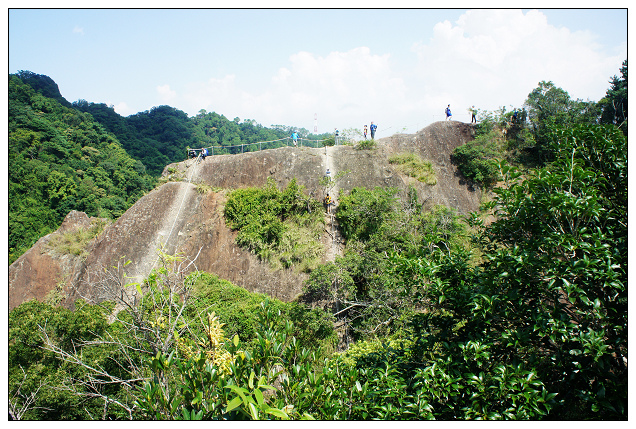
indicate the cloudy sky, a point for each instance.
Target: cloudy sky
{"x":396,"y":67}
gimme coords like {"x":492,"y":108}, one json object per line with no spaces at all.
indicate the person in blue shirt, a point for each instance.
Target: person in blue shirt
{"x":372,"y":128}
{"x":294,"y":137}
{"x":449,"y":115}
{"x":204,"y":153}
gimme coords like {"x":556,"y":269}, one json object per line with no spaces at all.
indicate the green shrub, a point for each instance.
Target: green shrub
{"x":282,"y":227}
{"x":238,"y":309}
{"x":477,"y":160}
{"x":366,"y":145}
{"x":413,"y":166}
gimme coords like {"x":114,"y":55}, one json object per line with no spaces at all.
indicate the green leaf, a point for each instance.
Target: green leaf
{"x":278,"y":413}
{"x":138,"y":286}
{"x":234,"y":403}
{"x":250,"y":383}
{"x":239,"y":391}
{"x":259,"y":397}
{"x":253,"y":411}
{"x":185,"y":414}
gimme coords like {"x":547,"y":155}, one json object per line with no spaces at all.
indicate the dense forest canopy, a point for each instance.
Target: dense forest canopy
{"x":442,"y":317}
{"x":161,"y":135}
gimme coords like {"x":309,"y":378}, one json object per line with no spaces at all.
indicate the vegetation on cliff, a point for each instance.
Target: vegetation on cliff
{"x":523,"y":136}
{"x":282,"y":227}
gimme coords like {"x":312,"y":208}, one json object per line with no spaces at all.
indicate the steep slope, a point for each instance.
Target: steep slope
{"x":183,"y":220}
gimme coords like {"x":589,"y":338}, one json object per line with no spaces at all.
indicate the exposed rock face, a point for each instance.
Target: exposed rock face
{"x":39,"y":271}
{"x":183,"y":220}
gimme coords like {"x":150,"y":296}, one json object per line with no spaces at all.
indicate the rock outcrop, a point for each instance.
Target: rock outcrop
{"x":179,"y":218}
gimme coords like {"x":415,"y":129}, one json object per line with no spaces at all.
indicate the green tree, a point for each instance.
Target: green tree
{"x":557,"y":267}
{"x":549,"y":106}
{"x":614,"y":104}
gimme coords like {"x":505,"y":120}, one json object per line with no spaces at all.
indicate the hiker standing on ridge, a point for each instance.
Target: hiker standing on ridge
{"x":204,"y":153}
{"x":474,"y":115}
{"x":373,"y":128}
{"x":294,"y":137}
{"x":449,"y":115}
{"x":365,"y":132}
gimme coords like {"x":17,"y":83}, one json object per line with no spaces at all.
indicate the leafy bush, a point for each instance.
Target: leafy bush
{"x":561,"y":232}
{"x":366,"y":145}
{"x":361,"y":285}
{"x":277,"y":379}
{"x":282,"y":227}
{"x":361,"y":213}
{"x":238,"y":309}
{"x":413,"y":166}
{"x":477,"y":160}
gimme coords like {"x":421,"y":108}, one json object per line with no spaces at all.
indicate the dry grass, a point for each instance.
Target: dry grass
{"x":414,"y":166}
{"x":75,"y":242}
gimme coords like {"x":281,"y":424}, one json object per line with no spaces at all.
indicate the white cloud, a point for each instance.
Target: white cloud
{"x":495,"y":58}
{"x":487,"y":58}
{"x":343,"y":88}
{"x":165,"y":93}
{"x":78,"y":30}
{"x":123,"y":109}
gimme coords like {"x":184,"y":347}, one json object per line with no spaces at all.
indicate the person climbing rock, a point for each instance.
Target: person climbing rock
{"x":328,"y":203}
{"x":373,"y":128}
{"x":449,"y":115}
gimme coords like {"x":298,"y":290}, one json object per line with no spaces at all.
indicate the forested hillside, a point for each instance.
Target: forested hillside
{"x":516,"y":312}
{"x":161,"y":135}
{"x":60,"y":160}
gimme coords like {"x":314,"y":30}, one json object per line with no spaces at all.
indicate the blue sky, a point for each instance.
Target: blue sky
{"x":396,"y":67}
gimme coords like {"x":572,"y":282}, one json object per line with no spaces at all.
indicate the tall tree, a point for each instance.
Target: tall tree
{"x":614,"y":104}
{"x":550,"y":106}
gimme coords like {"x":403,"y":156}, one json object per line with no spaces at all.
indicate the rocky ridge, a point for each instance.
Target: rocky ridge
{"x":187,"y":216}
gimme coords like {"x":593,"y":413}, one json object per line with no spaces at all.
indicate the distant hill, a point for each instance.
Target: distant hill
{"x":159,"y":136}
{"x":43,"y":85}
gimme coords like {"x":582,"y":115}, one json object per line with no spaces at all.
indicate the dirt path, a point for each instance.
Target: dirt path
{"x":332,"y":228}
{"x":166,"y":237}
